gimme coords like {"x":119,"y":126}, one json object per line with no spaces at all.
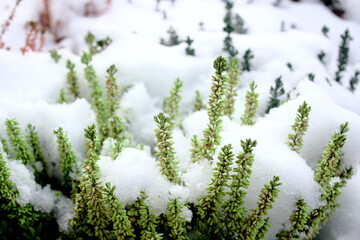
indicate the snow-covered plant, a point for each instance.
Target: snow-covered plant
{"x":63,"y":97}
{"x":115,"y":123}
{"x":290,"y":66}
{"x":175,"y":220}
{"x":96,"y":46}
{"x":90,"y":218}
{"x":233,"y":208}
{"x":16,"y":221}
{"x":171,"y":103}
{"x":231,"y":90}
{"x":167,"y":163}
{"x":251,"y":105}
{"x":98,"y":103}
{"x":354,"y":80}
{"x":121,"y":224}
{"x":208,"y":207}
{"x":298,"y":221}
{"x":300,"y":127}
{"x":331,"y":157}
{"x":189,"y":51}
{"x":212,"y":137}
{"x":325,"y":31}
{"x":173,"y":38}
{"x":246,"y":64}
{"x":68,"y":161}
{"x":21,"y":149}
{"x":143,"y":220}
{"x":343,"y":57}
{"x":331,"y":177}
{"x":55,"y":55}
{"x":72,"y":79}
{"x":198,"y":105}
{"x":255,"y":226}
{"x":275,"y":93}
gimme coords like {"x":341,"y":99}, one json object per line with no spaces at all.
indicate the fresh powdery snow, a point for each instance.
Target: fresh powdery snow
{"x":30,"y":84}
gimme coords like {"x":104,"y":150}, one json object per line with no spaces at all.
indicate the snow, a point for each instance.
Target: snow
{"x":30,"y":87}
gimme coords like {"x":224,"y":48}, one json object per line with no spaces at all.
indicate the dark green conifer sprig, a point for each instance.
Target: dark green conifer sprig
{"x":96,"y":46}
{"x":122,"y":228}
{"x":98,"y":103}
{"x":208,"y":207}
{"x":175,"y":221}
{"x":72,"y":79}
{"x":199,"y":105}
{"x":298,"y":221}
{"x":215,"y":110}
{"x":354,"y":81}
{"x":321,"y":55}
{"x":189,"y":51}
{"x":115,"y":123}
{"x":238,"y":25}
{"x":325,"y":31}
{"x":68,"y":161}
{"x":275,"y":93}
{"x":233,"y":210}
{"x":21,"y":149}
{"x":331,"y":157}
{"x":256,"y":221}
{"x":55,"y":55}
{"x":63,"y":97}
{"x":90,"y":218}
{"x":231,"y":91}
{"x":171,"y":104}
{"x":300,"y":127}
{"x":167,"y":163}
{"x":251,"y":106}
{"x":173,"y":38}
{"x":343,"y":57}
{"x":246,"y":63}
{"x":228,"y":20}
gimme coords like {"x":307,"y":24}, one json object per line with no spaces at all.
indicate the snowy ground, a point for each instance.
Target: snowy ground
{"x":30,"y":86}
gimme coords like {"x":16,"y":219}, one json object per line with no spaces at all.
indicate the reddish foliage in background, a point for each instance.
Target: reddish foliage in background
{"x":91,"y":10}
{"x":35,"y":39}
{"x":6,"y":25}
{"x":45,"y":16}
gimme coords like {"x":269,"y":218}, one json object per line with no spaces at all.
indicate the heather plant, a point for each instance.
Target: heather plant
{"x":68,"y":162}
{"x":311,"y":76}
{"x":343,"y":57}
{"x":55,"y":55}
{"x":171,"y":103}
{"x":198,"y":105}
{"x":167,"y":163}
{"x":233,"y":209}
{"x":96,"y":46}
{"x":275,"y":93}
{"x":246,"y":63}
{"x":232,"y":82}
{"x":325,"y":31}
{"x":175,"y":221}
{"x":239,"y":25}
{"x":251,"y":105}
{"x":215,"y":110}
{"x":72,"y":79}
{"x":299,"y":127}
{"x":63,"y":97}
